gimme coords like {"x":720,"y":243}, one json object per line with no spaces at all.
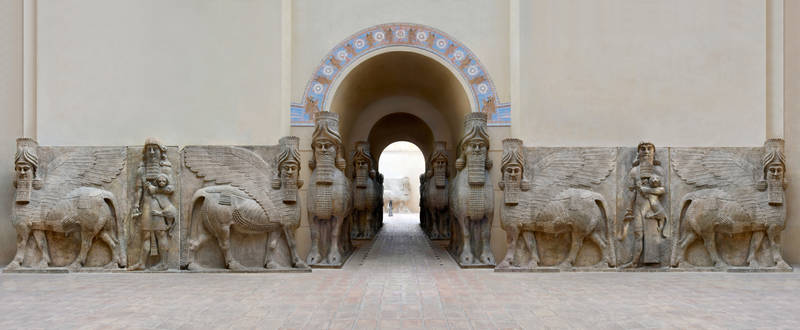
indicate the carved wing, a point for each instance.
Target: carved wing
{"x":94,"y":167}
{"x":575,"y":168}
{"x":238,"y":167}
{"x":706,"y":168}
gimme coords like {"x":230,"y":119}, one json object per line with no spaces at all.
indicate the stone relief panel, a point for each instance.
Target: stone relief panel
{"x":396,"y":195}
{"x":643,"y":228}
{"x":471,"y":196}
{"x":367,"y":217}
{"x":330,"y":199}
{"x":154,"y":193}
{"x":555,"y":199}
{"x":69,"y":207}
{"x":434,"y":190}
{"x":729,"y":206}
{"x":241,"y":207}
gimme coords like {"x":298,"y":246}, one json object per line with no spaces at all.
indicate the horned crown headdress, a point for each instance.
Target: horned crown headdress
{"x":773,"y":155}
{"x":326,"y":126}
{"x":474,"y":128}
{"x":512,"y":153}
{"x":289,"y":152}
{"x":26,"y":152}
{"x":439,"y":152}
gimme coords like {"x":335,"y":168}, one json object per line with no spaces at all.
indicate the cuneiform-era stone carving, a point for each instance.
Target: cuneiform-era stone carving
{"x":644,"y":196}
{"x":396,"y":194}
{"x":250,"y":196}
{"x":367,"y":194}
{"x":554,"y":201}
{"x":153,"y":210}
{"x":736,"y":191}
{"x":329,"y":194}
{"x":471,"y":197}
{"x":434,"y":195}
{"x":66,"y":195}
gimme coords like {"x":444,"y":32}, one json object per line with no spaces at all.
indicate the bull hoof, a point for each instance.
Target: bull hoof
{"x":506,"y":263}
{"x":235,"y":265}
{"x":111,"y":265}
{"x":137,"y":266}
{"x":465,"y":258}
{"x":487,"y":259}
{"x":74,"y":266}
{"x":43,"y":264}
{"x":300,"y":264}
{"x":720,"y":264}
{"x":194,"y":266}
{"x":14,"y":265}
{"x":160,"y":267}
{"x":533,"y":264}
{"x":753,"y":264}
{"x":565,"y":264}
{"x":313,"y":258}
{"x":782,"y":265}
{"x":334,"y":258}
{"x":272,"y":265}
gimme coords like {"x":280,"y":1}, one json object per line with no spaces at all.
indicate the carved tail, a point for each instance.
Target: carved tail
{"x":607,"y":232}
{"x":118,"y":227}
{"x":686,"y":201}
{"x":192,"y":228}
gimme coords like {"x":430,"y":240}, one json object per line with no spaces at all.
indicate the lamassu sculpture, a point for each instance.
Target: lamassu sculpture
{"x":434,"y":207}
{"x":736,"y":191}
{"x":367,"y":194}
{"x":329,"y":194}
{"x":68,"y":198}
{"x":471,"y":197}
{"x":250,"y":196}
{"x":554,"y":200}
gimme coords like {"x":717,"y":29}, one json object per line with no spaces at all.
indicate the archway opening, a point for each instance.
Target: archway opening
{"x":401,"y":164}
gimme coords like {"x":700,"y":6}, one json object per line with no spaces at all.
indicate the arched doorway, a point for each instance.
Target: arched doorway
{"x":401,"y":164}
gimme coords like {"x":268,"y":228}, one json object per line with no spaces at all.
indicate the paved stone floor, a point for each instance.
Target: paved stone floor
{"x":401,"y":281}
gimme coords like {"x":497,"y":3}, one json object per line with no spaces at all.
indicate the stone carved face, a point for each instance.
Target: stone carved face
{"x":362,"y":172}
{"x":325,"y":150}
{"x":289,"y":173}
{"x":647,"y":152}
{"x":24,"y":181}
{"x":475,"y":152}
{"x":512,"y":181}
{"x":24,"y":170}
{"x":162,"y":181}
{"x":440,"y":172}
{"x":775,"y":172}
{"x":152,"y":152}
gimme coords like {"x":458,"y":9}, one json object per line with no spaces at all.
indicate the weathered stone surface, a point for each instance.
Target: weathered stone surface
{"x":65,"y":198}
{"x":367,"y":217}
{"x":154,"y":194}
{"x":726,"y":201}
{"x":434,"y":190}
{"x":471,"y":196}
{"x":643,"y":228}
{"x":329,"y":195}
{"x":553,"y":200}
{"x":245,"y":200}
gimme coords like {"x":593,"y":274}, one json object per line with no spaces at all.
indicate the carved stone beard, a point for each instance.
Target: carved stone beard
{"x":152,"y":167}
{"x":476,"y":168}
{"x":775,"y":190}
{"x":362,"y":174}
{"x":439,"y":178}
{"x":645,"y":166}
{"x":511,"y":189}
{"x":289,"y":189}
{"x":24,"y":189}
{"x":326,"y":164}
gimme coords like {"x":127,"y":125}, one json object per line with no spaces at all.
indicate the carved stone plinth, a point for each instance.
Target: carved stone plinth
{"x":729,"y":207}
{"x":329,"y":195}
{"x":471,"y":197}
{"x":66,"y":200}
{"x":554,"y":199}
{"x":241,"y":207}
{"x":367,"y":217}
{"x":434,"y":191}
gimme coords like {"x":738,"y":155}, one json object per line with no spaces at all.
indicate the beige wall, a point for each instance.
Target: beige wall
{"x":481,"y":25}
{"x":190,"y":72}
{"x":609,"y":73}
{"x":791,"y":236}
{"x":11,"y":114}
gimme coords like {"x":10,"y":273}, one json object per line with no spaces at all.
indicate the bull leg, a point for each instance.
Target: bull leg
{"x":272,"y":245}
{"x":755,"y":242}
{"x":314,"y":257}
{"x":774,"y":235}
{"x":711,"y":245}
{"x":466,"y":256}
{"x":335,"y":255}
{"x":577,"y":242}
{"x":86,"y":243}
{"x":604,"y":246}
{"x":512,"y":234}
{"x":194,"y":245}
{"x":41,"y":241}
{"x":297,"y":262}
{"x":23,"y":233}
{"x":224,"y":241}
{"x":115,"y":258}
{"x":487,"y":256}
{"x":163,"y":250}
{"x":680,"y":250}
{"x":530,"y":241}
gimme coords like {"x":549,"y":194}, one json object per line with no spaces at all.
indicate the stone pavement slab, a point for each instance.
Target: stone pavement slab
{"x":400,"y":280}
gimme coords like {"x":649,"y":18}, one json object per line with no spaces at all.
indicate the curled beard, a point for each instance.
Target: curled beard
{"x":511,"y":191}
{"x":476,"y":169}
{"x":324,"y":169}
{"x":361,"y":178}
{"x":439,"y":178}
{"x":775,"y":191}
{"x":24,"y":188}
{"x":152,"y":168}
{"x":289,"y":190}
